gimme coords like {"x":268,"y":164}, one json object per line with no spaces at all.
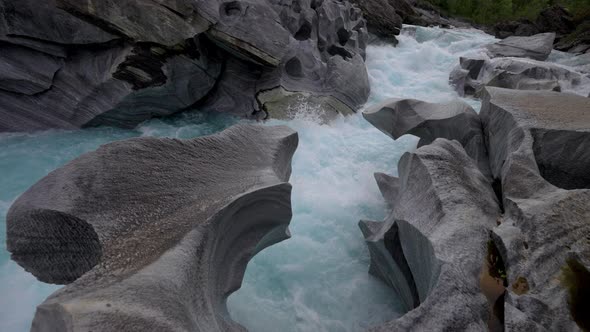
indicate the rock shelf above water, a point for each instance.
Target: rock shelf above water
{"x":71,"y":64}
{"x":536,"y":212}
{"x":154,"y":234}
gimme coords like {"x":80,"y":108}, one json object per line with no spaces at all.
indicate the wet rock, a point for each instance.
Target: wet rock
{"x":455,"y":120}
{"x":516,"y":73}
{"x":153,"y":233}
{"x":538,"y":150}
{"x":434,"y":240}
{"x":382,"y":18}
{"x":211,"y":54}
{"x":521,"y":28}
{"x":536,"y":47}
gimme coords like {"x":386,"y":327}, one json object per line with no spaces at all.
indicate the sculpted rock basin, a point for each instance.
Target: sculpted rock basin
{"x":154,"y":234}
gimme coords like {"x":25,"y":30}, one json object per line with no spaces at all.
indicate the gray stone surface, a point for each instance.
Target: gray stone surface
{"x":154,"y":234}
{"x":382,"y":18}
{"x":538,"y":145}
{"x":536,"y":47}
{"x":516,"y":73}
{"x":536,"y":214}
{"x":168,"y":56}
{"x":433,"y":244}
{"x":455,"y":120}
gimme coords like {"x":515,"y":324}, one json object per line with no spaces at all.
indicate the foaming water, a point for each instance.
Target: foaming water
{"x":317,"y":280}
{"x":26,"y":158}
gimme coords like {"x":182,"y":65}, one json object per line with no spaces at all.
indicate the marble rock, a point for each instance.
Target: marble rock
{"x":537,"y":47}
{"x":516,"y":73}
{"x":154,"y":233}
{"x":432,"y":246}
{"x":454,"y":120}
{"x":538,"y":146}
{"x":87,"y":63}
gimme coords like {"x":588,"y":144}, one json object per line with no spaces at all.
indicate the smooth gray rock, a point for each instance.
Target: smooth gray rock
{"x":443,"y":213}
{"x":537,"y":47}
{"x":538,"y":145}
{"x":253,"y":58}
{"x":42,"y":20}
{"x":154,"y":234}
{"x":382,"y":18}
{"x":25,"y":71}
{"x":455,"y":120}
{"x":516,"y":73}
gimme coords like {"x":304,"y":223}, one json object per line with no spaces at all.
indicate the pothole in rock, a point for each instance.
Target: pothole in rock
{"x":562,"y":157}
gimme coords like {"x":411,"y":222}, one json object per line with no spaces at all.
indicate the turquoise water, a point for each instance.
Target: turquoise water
{"x":317,"y":280}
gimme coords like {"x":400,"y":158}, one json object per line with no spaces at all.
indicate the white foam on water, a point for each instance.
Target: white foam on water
{"x":317,"y":280}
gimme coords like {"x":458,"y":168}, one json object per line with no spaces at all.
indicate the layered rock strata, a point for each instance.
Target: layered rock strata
{"x":538,"y":146}
{"x":534,"y":217}
{"x":70,"y":64}
{"x":154,"y":234}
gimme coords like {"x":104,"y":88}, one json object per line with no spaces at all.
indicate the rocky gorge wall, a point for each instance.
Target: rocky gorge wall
{"x":522,"y":220}
{"x":71,"y":64}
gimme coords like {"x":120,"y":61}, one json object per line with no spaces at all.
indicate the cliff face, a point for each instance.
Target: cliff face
{"x":70,"y":64}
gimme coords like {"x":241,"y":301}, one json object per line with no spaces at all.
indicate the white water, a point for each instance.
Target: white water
{"x":317,"y":280}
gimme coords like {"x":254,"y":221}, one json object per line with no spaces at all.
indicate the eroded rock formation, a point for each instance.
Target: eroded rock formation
{"x":454,"y":121}
{"x":432,"y":246}
{"x":472,"y":75}
{"x":533,"y":212}
{"x":154,"y":234}
{"x":537,"y":47}
{"x":538,"y":146}
{"x":69,"y":64}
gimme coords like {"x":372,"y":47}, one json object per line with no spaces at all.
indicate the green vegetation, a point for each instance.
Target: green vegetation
{"x":493,"y":11}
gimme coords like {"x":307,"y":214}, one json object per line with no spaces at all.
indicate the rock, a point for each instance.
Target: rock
{"x":578,"y":41}
{"x":382,"y":18}
{"x":556,"y":19}
{"x":154,"y":234}
{"x":538,"y":147}
{"x":86,"y":64}
{"x":43,"y":21}
{"x":25,"y":71}
{"x":455,"y":120}
{"x":521,"y":28}
{"x":516,"y":73}
{"x":536,"y":47}
{"x":553,"y":19}
{"x":434,"y":241}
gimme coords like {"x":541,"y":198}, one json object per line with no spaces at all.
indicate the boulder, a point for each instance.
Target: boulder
{"x":87,"y":63}
{"x":154,"y":233}
{"x":521,"y":28}
{"x":556,"y":19}
{"x":382,"y":18}
{"x":537,"y":47}
{"x":455,"y":120}
{"x":538,"y":146}
{"x":432,"y":247}
{"x":516,"y":73}
{"x":578,"y":41}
